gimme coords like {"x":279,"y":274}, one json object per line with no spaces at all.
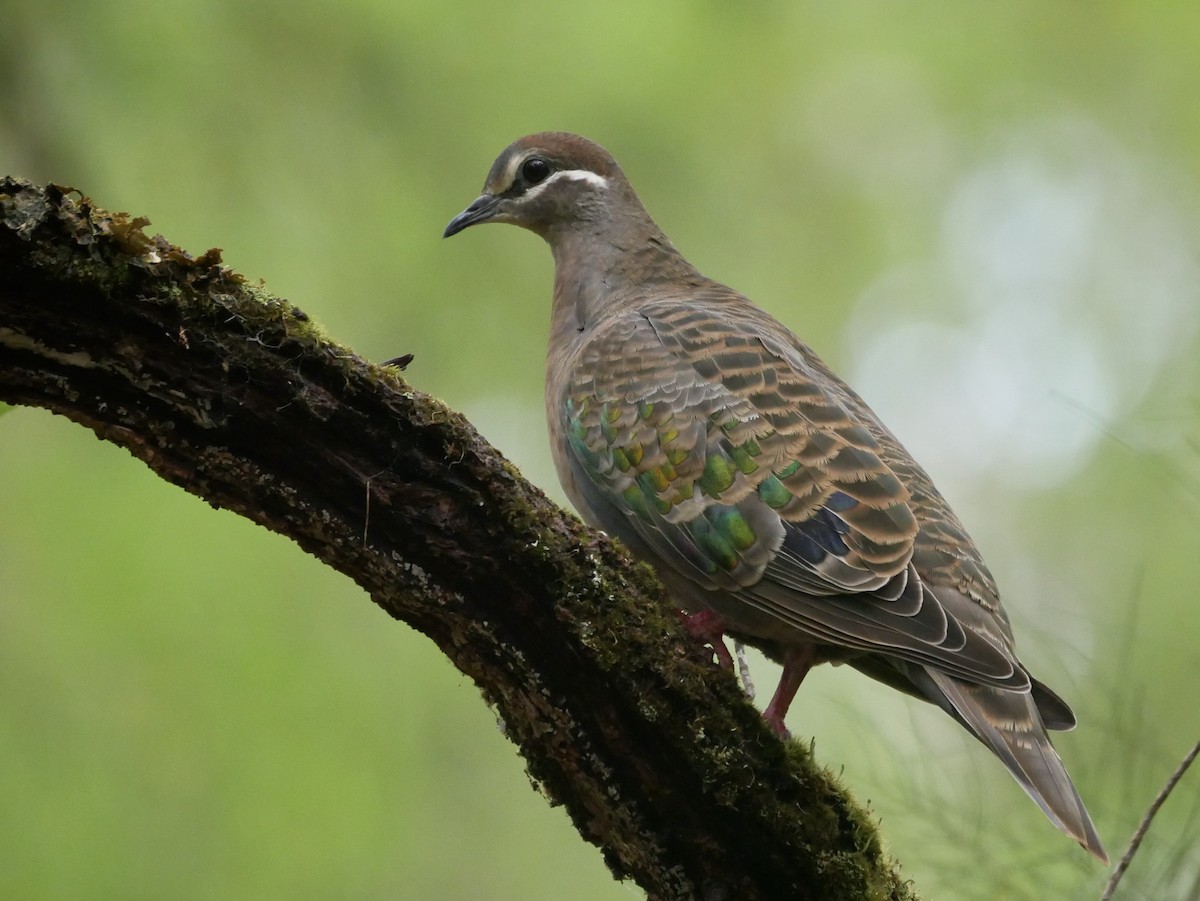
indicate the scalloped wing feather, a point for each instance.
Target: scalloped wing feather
{"x":747,"y":466}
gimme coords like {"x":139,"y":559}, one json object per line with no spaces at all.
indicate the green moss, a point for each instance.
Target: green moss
{"x":616,"y":613}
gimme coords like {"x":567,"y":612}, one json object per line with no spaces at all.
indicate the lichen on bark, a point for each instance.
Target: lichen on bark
{"x":237,"y":396}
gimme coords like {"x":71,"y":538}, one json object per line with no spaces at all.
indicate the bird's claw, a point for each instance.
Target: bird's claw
{"x":709,"y":628}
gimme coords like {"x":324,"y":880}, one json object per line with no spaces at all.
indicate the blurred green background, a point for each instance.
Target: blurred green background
{"x":985,"y":216}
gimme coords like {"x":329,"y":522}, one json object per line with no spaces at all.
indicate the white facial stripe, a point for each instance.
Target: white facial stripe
{"x":510,"y":174}
{"x":591,"y":178}
{"x":584,"y":175}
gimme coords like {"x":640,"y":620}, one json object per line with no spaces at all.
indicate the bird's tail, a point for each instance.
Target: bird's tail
{"x":1008,"y":722}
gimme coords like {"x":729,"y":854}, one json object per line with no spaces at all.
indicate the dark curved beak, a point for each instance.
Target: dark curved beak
{"x":482,"y":208}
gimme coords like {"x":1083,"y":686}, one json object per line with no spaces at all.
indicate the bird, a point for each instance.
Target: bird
{"x":773,"y":503}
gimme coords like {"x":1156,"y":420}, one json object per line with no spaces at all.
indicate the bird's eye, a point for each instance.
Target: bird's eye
{"x":535,"y":169}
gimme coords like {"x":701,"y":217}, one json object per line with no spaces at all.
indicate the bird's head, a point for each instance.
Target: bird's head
{"x":547,"y":182}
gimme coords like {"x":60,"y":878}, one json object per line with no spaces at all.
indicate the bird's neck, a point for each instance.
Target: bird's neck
{"x":601,"y":273}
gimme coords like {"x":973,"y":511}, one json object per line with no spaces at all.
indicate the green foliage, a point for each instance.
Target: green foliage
{"x":972,"y":210}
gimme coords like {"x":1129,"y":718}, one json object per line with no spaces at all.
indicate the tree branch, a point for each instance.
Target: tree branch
{"x":235,"y":396}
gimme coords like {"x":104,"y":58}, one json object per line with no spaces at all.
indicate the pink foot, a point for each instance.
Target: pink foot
{"x":797,"y":661}
{"x":709,"y":628}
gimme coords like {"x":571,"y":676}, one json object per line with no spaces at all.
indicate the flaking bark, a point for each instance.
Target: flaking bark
{"x":235,"y":396}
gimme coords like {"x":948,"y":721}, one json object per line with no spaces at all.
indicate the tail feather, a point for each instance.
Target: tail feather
{"x":1055,"y":712}
{"x":1009,"y":723}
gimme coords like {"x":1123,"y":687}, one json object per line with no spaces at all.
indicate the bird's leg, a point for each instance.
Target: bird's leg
{"x":709,"y":628}
{"x":797,"y":661}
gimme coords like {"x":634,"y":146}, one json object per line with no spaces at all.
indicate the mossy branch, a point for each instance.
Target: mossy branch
{"x":235,"y":396}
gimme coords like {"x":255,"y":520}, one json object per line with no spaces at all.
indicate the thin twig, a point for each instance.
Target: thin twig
{"x":367,"y":513}
{"x":739,"y":652}
{"x":1144,"y":825}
